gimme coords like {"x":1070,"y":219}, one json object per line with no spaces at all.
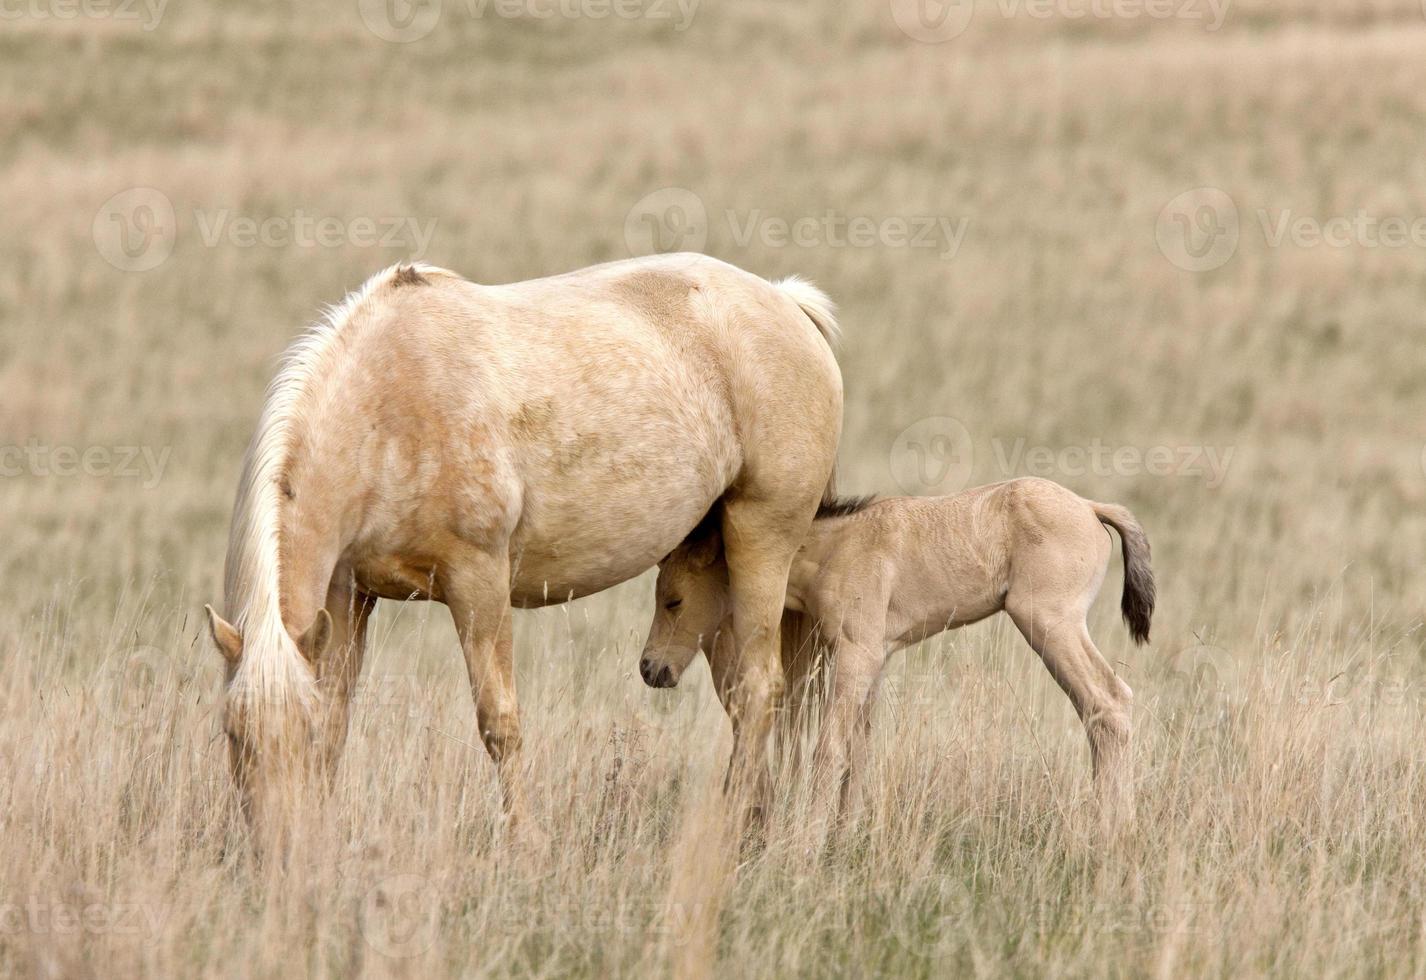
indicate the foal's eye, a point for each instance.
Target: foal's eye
{"x":673,"y":604}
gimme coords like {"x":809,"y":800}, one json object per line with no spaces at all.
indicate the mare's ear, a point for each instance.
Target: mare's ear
{"x":313,"y":643}
{"x":706,"y":550}
{"x":226,"y":636}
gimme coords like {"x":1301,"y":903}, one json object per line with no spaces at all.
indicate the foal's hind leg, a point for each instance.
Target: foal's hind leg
{"x":1101,"y":699}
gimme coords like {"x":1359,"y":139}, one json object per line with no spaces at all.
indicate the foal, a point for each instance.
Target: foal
{"x":876,"y":576}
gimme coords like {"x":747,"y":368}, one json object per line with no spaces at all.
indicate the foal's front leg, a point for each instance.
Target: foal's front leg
{"x":478,"y":594}
{"x":840,"y":758}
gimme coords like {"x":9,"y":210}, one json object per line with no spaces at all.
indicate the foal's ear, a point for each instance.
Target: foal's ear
{"x":226,"y":636}
{"x":313,"y":643}
{"x":705,"y":550}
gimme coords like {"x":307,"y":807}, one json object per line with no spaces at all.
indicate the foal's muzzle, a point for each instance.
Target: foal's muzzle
{"x":655,"y":675}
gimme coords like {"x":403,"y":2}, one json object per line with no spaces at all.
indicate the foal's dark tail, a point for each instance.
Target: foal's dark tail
{"x":1138,"y":602}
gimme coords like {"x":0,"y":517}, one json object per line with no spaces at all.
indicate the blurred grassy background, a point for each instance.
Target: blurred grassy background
{"x":1059,"y":320}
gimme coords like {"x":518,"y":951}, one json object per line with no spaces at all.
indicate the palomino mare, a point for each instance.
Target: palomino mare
{"x":874,"y":577}
{"x":516,"y":445}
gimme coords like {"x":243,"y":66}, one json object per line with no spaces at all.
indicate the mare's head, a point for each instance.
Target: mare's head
{"x":691,"y":601}
{"x":271,"y":720}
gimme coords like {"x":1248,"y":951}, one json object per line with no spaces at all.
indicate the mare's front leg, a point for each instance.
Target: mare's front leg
{"x":340,"y":666}
{"x":476,"y":587}
{"x":721,"y":657}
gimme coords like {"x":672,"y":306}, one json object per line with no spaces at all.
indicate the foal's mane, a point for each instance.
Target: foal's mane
{"x":272,"y":670}
{"x":844,"y":506}
{"x":834,"y":506}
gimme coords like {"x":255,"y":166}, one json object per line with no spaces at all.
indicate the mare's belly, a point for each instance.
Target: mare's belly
{"x":610,"y":503}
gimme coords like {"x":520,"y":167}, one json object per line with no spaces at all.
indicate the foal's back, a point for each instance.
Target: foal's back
{"x":937,"y":563}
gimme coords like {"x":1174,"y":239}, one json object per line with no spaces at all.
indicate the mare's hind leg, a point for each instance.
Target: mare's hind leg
{"x":477,"y":590}
{"x":1101,"y":699}
{"x":805,"y":681}
{"x":760,"y":536}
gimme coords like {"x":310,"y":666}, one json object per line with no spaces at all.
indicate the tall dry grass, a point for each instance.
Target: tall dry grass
{"x":1279,"y":713}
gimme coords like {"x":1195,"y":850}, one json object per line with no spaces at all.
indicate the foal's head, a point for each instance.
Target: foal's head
{"x":691,"y":601}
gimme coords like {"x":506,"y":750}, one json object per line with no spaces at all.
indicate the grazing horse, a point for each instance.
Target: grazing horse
{"x":876,"y":576}
{"x":514,"y":445}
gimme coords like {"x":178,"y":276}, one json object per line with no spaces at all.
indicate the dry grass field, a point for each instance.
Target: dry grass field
{"x":1024,"y":290}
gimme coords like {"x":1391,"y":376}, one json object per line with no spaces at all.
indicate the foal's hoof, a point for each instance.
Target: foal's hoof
{"x":655,"y":676}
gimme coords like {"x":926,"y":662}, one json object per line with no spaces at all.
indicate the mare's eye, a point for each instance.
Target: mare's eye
{"x":673,"y":604}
